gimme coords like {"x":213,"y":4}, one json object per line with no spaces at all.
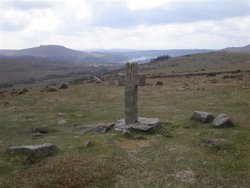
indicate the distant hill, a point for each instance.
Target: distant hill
{"x":138,"y":55}
{"x":200,"y":63}
{"x":55,"y":52}
{"x":15,"y":70}
{"x":61,"y":53}
{"x":238,"y":49}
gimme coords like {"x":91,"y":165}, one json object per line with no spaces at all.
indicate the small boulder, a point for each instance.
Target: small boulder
{"x":222,"y":120}
{"x":123,"y":132}
{"x":159,"y":83}
{"x":41,"y":130}
{"x":23,"y":91}
{"x":33,"y":152}
{"x":86,"y":144}
{"x":61,"y":122}
{"x":143,"y":124}
{"x":216,"y":143}
{"x":49,"y":89}
{"x":204,"y":117}
{"x":96,"y":129}
{"x":63,"y":86}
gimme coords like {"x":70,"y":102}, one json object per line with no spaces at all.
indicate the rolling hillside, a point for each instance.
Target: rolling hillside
{"x":200,"y":63}
{"x":238,"y":49}
{"x":55,"y":52}
{"x":27,"y":69}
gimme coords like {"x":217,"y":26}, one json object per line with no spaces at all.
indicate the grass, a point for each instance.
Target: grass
{"x":173,"y":156}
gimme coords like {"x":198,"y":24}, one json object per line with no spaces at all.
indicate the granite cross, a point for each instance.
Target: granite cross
{"x":131,"y":98}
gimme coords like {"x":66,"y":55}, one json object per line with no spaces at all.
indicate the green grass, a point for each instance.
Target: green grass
{"x":173,"y":156}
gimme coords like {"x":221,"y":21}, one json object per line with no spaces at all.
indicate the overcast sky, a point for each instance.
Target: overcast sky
{"x":125,"y":24}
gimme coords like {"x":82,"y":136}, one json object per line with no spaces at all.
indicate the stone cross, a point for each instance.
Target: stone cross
{"x":131,"y":84}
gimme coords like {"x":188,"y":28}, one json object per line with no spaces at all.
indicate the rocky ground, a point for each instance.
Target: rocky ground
{"x":182,"y":152}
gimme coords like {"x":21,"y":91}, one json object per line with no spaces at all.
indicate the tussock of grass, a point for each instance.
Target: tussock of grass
{"x":69,"y":171}
{"x":168,"y":157}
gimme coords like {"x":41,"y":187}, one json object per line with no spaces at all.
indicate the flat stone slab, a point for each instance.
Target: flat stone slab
{"x":204,"y":117}
{"x":222,"y":120}
{"x":95,"y":129}
{"x":143,"y":124}
{"x":33,"y":152}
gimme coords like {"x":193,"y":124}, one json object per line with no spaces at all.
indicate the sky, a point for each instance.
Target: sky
{"x":125,"y":24}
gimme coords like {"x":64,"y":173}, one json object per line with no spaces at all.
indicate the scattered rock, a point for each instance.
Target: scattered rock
{"x":222,"y":120}
{"x":123,"y":132}
{"x":144,"y":124}
{"x":37,"y":135}
{"x":49,"y":89}
{"x":217,"y":143}
{"x":87,"y":144}
{"x":61,"y":122}
{"x":23,"y":91}
{"x":204,"y":117}
{"x":63,"y":86}
{"x":159,"y":83}
{"x":185,"y":176}
{"x":96,"y":128}
{"x":43,"y":130}
{"x":60,"y":114}
{"x":33,"y":152}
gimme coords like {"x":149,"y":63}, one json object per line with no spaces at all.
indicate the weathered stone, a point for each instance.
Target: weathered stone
{"x":41,"y":130}
{"x":63,"y":86}
{"x":96,"y":129}
{"x":143,"y":124}
{"x":216,"y":143}
{"x":48,"y":89}
{"x":159,"y":83}
{"x":131,"y":83}
{"x":23,"y":91}
{"x":86,"y":144}
{"x":222,"y":120}
{"x":37,"y":135}
{"x":33,"y":152}
{"x":124,"y":132}
{"x":204,"y":117}
{"x":61,"y":122}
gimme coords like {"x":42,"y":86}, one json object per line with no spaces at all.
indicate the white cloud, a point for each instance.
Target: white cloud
{"x":107,"y":24}
{"x":146,"y":4}
{"x":13,"y":18}
{"x":43,"y":21}
{"x":79,"y":7}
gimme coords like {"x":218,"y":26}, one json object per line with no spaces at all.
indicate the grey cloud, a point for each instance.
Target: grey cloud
{"x":26,"y":4}
{"x":7,"y":26}
{"x":116,"y":14}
